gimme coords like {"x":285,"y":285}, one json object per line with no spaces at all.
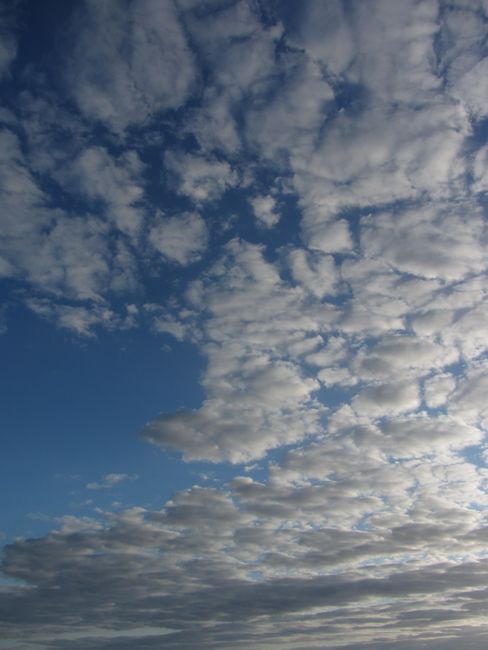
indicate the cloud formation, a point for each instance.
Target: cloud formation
{"x":298,"y":195}
{"x":129,"y":62}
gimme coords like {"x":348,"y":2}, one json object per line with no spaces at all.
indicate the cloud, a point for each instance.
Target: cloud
{"x":344,"y":343}
{"x":114,"y":182}
{"x":480,"y":170}
{"x":257,"y":397}
{"x":286,"y":123}
{"x":402,"y":356}
{"x":110,"y":480}
{"x":315,"y":271}
{"x":54,"y":251}
{"x":8,"y":42}
{"x":264,"y":208}
{"x":181,"y":239}
{"x":464,"y":56}
{"x":438,"y":388}
{"x":467,"y":401}
{"x":246,"y":570}
{"x":326,"y":33}
{"x":431,"y":242}
{"x":385,"y":399}
{"x":128,"y":62}
{"x":200,"y":178}
{"x":238,"y":52}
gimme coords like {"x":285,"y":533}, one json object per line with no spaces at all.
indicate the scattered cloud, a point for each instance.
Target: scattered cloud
{"x":128,"y":62}
{"x":200,"y":179}
{"x":264,"y":208}
{"x":110,"y":480}
{"x":181,"y":238}
{"x":344,"y":339}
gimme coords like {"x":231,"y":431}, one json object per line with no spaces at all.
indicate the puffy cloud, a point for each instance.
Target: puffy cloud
{"x":239,"y":54}
{"x":285,"y":124}
{"x":129,"y":61}
{"x":480,"y":170}
{"x":181,"y":238}
{"x":116,"y":183}
{"x":382,"y":400}
{"x":264,"y":208}
{"x":64,"y":255}
{"x":71,"y":259}
{"x":57,"y":252}
{"x":467,"y":400}
{"x":232,"y":29}
{"x":81,"y":320}
{"x":356,"y":338}
{"x":199,"y":178}
{"x":258,"y":397}
{"x":256,"y":559}
{"x":315,"y":271}
{"x":433,"y":241}
{"x":402,"y":356}
{"x":271,"y":407}
{"x":464,"y":55}
{"x":326,"y":33}
{"x":438,"y":388}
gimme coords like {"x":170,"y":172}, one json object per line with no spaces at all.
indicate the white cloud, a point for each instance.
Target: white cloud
{"x":271,"y":406}
{"x":396,"y":357}
{"x":370,"y":531}
{"x":239,"y":50}
{"x":79,"y":319}
{"x":213,"y":123}
{"x":444,"y":242}
{"x":287,"y":124}
{"x":200,"y":178}
{"x":181,"y":238}
{"x":129,"y":61}
{"x":110,"y":480}
{"x":480,"y":170}
{"x":463,"y":54}
{"x":328,"y":236}
{"x":468,"y":400}
{"x":264,"y":208}
{"x":326,"y":34}
{"x":57,"y":252}
{"x":384,"y":400}
{"x":239,"y":56}
{"x":315,"y":271}
{"x":257,"y":397}
{"x":438,"y":388}
{"x":115,"y":182}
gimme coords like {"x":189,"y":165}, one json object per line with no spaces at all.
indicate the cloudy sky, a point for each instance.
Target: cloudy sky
{"x":244,"y":324}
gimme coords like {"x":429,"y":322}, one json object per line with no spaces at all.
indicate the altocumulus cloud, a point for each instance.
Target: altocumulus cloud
{"x":308,"y":181}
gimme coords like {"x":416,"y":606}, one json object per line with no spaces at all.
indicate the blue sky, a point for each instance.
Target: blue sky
{"x":243,"y":270}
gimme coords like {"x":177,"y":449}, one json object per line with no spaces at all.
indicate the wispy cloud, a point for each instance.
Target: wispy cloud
{"x":110,"y":480}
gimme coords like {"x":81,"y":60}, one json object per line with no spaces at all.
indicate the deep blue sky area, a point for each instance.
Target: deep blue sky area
{"x":243,"y":324}
{"x":62,"y":395}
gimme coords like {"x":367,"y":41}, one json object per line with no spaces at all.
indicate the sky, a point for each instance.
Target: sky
{"x":244,"y":324}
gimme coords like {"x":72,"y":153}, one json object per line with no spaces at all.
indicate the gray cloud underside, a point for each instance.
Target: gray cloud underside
{"x":283,"y":563}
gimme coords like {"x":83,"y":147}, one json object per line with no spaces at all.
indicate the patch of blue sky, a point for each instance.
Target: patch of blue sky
{"x":475,"y":454}
{"x":73,"y":408}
